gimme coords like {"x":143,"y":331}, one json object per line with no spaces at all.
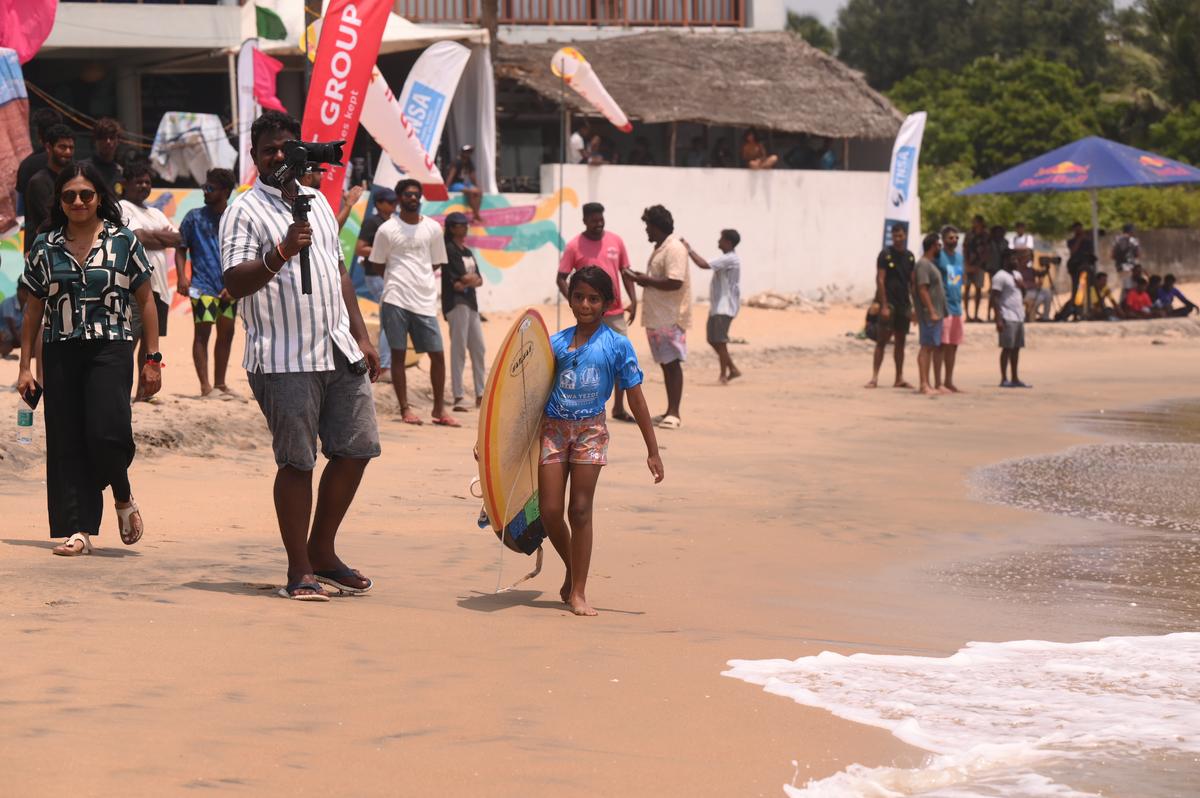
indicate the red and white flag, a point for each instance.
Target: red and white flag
{"x":346,"y":52}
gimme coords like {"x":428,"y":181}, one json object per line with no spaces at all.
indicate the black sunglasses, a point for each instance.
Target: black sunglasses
{"x":416,"y":194}
{"x":85,"y":196}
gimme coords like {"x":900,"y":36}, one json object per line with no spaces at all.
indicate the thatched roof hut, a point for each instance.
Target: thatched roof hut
{"x":770,"y":80}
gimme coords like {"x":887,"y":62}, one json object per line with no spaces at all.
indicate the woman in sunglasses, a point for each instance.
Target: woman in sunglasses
{"x":83,"y":273}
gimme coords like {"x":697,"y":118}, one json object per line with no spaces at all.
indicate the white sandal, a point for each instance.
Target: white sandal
{"x":130,"y":533}
{"x":67,"y":548}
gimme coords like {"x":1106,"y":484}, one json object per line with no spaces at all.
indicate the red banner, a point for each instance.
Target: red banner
{"x":346,"y":51}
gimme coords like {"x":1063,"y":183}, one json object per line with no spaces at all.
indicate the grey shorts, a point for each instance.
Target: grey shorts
{"x":974,"y":278}
{"x":1013,"y":335}
{"x":617,"y":323}
{"x":337,"y":406}
{"x":135,"y":317}
{"x":399,"y":323}
{"x":717,"y":329}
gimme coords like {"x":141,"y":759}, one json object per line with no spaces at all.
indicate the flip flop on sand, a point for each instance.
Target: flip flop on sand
{"x":338,"y":577}
{"x":446,"y":421}
{"x":624,"y":416}
{"x":409,"y":417}
{"x":292,"y":591}
{"x":670,"y":422}
{"x":131,"y":530}
{"x":67,"y":548}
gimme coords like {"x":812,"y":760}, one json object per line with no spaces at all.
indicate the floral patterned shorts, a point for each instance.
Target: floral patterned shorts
{"x":584,"y":441}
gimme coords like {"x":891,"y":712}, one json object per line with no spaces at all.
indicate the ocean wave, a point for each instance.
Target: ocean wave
{"x":1025,"y":717}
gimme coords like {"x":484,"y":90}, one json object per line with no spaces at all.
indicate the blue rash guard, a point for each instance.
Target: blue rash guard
{"x":584,"y":378}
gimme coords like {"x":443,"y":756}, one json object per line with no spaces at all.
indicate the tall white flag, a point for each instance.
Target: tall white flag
{"x":248,"y":109}
{"x":903,"y":206}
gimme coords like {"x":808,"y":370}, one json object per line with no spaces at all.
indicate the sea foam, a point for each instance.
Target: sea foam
{"x":1022,"y":718}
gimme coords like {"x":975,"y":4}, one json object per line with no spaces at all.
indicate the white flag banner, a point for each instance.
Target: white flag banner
{"x":248,"y":110}
{"x":424,"y":105}
{"x":903,"y":205}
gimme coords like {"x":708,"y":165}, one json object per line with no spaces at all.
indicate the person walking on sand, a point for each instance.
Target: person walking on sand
{"x":930,"y":298}
{"x":724,"y":298}
{"x":157,"y":234}
{"x":1007,"y":297}
{"x":950,"y":264}
{"x":589,"y":359}
{"x":212,"y":305}
{"x":668,"y":306}
{"x":308,"y":358}
{"x":460,"y":278}
{"x":893,"y":291}
{"x":410,"y":248}
{"x":596,"y":246}
{"x":88,"y":355}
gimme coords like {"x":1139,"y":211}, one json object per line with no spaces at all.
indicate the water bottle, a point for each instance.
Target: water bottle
{"x":24,"y":423}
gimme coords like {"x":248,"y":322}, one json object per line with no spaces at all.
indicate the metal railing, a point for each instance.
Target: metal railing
{"x":624,"y":13}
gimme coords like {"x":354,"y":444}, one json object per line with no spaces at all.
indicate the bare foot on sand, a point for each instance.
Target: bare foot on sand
{"x":734,"y":374}
{"x":942,"y":389}
{"x":579,"y":606}
{"x":565,"y":592}
{"x":901,"y":384}
{"x":952,"y":388}
{"x":872,"y":384}
{"x":927,"y":391}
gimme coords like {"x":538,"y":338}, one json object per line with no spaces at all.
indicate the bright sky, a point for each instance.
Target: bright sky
{"x":826,"y":10}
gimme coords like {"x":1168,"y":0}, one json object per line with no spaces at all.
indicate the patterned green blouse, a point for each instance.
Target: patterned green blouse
{"x":92,"y":302}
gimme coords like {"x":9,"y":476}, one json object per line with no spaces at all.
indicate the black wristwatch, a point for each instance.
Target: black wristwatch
{"x":154,"y":357}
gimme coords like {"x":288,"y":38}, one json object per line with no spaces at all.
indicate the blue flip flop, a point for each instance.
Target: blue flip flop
{"x":292,"y":591}
{"x":337,"y":578}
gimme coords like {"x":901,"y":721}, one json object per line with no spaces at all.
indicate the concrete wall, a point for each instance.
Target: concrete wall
{"x":1174,"y":251}
{"x":802,"y":231}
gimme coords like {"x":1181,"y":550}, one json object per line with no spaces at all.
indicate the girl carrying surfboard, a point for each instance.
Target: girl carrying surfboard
{"x":590,"y":359}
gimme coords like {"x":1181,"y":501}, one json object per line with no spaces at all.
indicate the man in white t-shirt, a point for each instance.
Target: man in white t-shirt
{"x":1008,"y":298}
{"x":724,"y":297}
{"x":577,"y":144}
{"x":410,"y":248}
{"x":159,"y":238}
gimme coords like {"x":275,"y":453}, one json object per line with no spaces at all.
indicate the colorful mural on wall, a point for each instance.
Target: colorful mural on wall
{"x":505,"y":236}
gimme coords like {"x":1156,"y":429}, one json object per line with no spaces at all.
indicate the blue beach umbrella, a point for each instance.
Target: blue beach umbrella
{"x":1089,"y":164}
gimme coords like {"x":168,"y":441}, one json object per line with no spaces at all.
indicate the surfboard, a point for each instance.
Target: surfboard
{"x":509,"y":444}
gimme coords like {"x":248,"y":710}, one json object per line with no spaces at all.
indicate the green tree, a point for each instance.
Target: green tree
{"x":1072,"y":32}
{"x":1173,"y":34}
{"x":891,"y":39}
{"x":1178,"y":134}
{"x":995,"y":114}
{"x":812,"y":30}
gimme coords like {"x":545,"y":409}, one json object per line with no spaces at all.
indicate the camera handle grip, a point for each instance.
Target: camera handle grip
{"x":305,"y":272}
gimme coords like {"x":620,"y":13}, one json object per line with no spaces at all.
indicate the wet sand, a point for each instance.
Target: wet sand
{"x":800,"y":513}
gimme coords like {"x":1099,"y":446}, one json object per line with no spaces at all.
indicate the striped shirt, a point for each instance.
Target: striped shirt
{"x":286,"y":330}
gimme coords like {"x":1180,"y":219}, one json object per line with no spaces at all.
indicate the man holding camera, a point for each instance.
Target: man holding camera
{"x":309,"y":358}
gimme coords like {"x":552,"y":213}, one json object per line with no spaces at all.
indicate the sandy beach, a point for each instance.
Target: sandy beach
{"x":800,"y":513}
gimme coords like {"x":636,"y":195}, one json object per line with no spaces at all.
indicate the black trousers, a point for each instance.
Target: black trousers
{"x":89,"y":430}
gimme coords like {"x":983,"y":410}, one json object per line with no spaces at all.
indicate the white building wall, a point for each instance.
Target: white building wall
{"x":802,"y":231}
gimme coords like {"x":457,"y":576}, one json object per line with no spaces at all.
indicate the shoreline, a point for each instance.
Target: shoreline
{"x":800,"y":513}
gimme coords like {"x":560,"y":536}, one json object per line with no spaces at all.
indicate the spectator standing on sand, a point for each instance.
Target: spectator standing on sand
{"x":930,"y":298}
{"x":385,"y":208}
{"x":106,"y":138}
{"x":1082,"y":256}
{"x":39,"y":191}
{"x":43,"y":119}
{"x":666,"y":306}
{"x":460,"y":278}
{"x":997,"y":247}
{"x":1007,"y":296}
{"x":411,"y":247}
{"x":950,"y":264}
{"x":976,"y":252}
{"x":1126,"y":250}
{"x":308,"y":359}
{"x":204,"y":286}
{"x":724,"y":297}
{"x":158,"y":235}
{"x":596,"y":246}
{"x":893,"y":291}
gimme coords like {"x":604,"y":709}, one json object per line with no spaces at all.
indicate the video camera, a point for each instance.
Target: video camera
{"x":297,"y":156}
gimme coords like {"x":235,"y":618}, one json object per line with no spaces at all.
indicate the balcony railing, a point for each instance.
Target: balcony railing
{"x":618,"y":13}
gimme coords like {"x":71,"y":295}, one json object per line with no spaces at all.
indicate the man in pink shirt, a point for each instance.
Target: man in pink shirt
{"x":595,"y":247}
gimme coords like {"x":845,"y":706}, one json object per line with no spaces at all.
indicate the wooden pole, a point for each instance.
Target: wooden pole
{"x":674,"y":136}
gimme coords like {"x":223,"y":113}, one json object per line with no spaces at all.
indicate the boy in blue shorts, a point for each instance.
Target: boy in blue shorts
{"x":590,"y":359}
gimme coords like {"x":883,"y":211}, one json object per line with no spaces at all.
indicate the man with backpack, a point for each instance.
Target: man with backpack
{"x":1126,"y":250}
